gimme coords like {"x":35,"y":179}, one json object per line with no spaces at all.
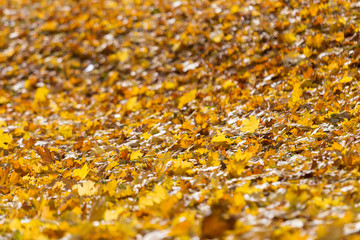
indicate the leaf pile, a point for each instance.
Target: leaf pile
{"x":179,"y":119}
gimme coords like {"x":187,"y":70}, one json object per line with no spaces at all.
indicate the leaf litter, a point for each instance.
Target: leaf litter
{"x":140,"y":119}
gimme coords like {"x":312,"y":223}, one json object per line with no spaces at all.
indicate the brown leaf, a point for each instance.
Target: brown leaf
{"x":46,"y":155}
{"x":215,"y":225}
{"x":29,"y":143}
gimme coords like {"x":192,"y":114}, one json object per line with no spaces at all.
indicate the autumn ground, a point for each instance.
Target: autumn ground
{"x":179,"y":119}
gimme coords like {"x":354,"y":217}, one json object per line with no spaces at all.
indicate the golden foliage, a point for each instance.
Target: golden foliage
{"x":142,"y":119}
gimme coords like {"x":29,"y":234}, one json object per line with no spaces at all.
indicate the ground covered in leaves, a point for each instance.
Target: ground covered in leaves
{"x":161,"y":119}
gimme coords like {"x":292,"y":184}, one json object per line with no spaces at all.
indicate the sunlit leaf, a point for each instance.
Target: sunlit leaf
{"x":88,"y":188}
{"x":81,"y":173}
{"x":41,"y":94}
{"x":221,"y":138}
{"x":5,"y":140}
{"x":250,"y":125}
{"x":186,"y":98}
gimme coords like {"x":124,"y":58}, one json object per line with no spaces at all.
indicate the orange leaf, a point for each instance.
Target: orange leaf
{"x":46,"y":155}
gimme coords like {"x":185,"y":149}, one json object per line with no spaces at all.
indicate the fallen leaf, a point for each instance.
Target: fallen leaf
{"x":250,"y":125}
{"x":186,"y":98}
{"x":81,"y":173}
{"x":47,"y":157}
{"x":5,"y":140}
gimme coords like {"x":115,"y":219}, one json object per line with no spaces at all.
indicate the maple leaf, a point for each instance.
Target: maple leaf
{"x":237,"y":164}
{"x":346,"y":79}
{"x":88,"y":188}
{"x":212,"y":160}
{"x":133,"y":104}
{"x":289,"y":38}
{"x":215,"y":225}
{"x":155,"y":197}
{"x":46,"y":155}
{"x":250,"y":125}
{"x":173,"y":78}
{"x":81,"y":173}
{"x":113,"y":215}
{"x":49,"y":26}
{"x":5,"y":140}
{"x":339,"y":37}
{"x":243,"y":156}
{"x":217,"y":36}
{"x":65,"y":131}
{"x":186,"y":98}
{"x":41,"y":94}
{"x":123,"y":55}
{"x":182,"y":167}
{"x":136,"y":155}
{"x":296,"y":95}
{"x":307,"y":52}
{"x":4,"y":100}
{"x":220,"y":138}
{"x":317,"y":40}
{"x":111,"y":187}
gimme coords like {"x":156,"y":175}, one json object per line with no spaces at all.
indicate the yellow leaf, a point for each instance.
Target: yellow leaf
{"x":333,"y":66}
{"x":111,"y":187}
{"x":243,"y":156}
{"x":49,"y":26}
{"x":112,"y":215}
{"x":81,"y":173}
{"x":296,"y":95}
{"x":65,"y":131}
{"x":239,"y":200}
{"x":182,"y":224}
{"x":3,"y":57}
{"x":306,"y":120}
{"x":158,"y":195}
{"x":228,"y":84}
{"x":213,"y":159}
{"x":228,"y":37}
{"x":202,"y":151}
{"x":133,"y":104}
{"x":123,"y":55}
{"x":317,"y":40}
{"x":234,"y":9}
{"x":289,"y":38}
{"x":46,"y":213}
{"x":313,"y":10}
{"x":15,"y":224}
{"x":58,"y":185}
{"x":250,"y":125}
{"x":342,"y":21}
{"x":146,"y":135}
{"x":216,"y":36}
{"x":54,"y":106}
{"x":5,"y":140}
{"x":4,"y":100}
{"x":169,"y":85}
{"x":41,"y":94}
{"x":86,"y":189}
{"x":181,"y":167}
{"x":346,"y":79}
{"x":307,"y":52}
{"x":186,"y":98}
{"x":220,"y":138}
{"x":339,"y":37}
{"x":337,"y":146}
{"x":136,"y":155}
{"x":238,"y":163}
{"x":112,"y":77}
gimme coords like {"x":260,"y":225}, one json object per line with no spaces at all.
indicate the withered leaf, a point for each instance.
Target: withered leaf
{"x":47,"y":157}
